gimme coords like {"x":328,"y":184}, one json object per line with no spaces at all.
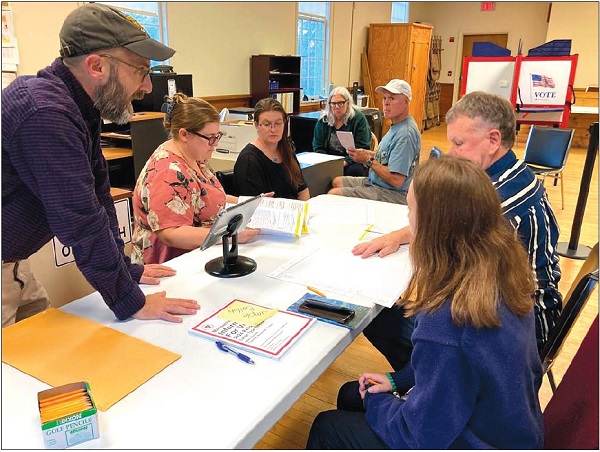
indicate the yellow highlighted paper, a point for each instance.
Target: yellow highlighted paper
{"x":246,"y":313}
{"x":59,"y":348}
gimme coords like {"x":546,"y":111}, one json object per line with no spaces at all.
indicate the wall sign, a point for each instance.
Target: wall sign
{"x":488,"y":6}
{"x":64,"y":254}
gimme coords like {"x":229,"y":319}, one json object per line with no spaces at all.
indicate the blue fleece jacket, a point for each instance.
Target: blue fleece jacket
{"x":474,"y":388}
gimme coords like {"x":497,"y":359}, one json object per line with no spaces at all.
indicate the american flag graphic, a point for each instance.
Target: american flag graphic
{"x":542,"y":80}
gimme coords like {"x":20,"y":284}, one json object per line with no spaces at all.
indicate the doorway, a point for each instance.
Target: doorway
{"x":500,"y":39}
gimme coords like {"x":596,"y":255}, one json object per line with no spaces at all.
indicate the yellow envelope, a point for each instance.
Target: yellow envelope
{"x":59,"y":348}
{"x":245,"y":313}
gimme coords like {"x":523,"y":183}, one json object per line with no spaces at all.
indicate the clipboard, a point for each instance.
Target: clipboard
{"x":226,"y":216}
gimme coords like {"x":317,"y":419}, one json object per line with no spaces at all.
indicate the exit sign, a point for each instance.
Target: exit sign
{"x":488,"y":6}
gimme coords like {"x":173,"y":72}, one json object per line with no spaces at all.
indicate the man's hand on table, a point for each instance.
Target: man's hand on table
{"x":152,"y":273}
{"x":158,"y":306}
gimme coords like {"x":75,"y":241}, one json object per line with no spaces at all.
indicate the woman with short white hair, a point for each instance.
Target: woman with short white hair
{"x":342,"y":115}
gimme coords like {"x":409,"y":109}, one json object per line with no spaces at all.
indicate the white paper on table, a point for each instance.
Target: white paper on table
{"x":313,"y":158}
{"x":374,"y":231}
{"x":338,"y":213}
{"x":346,"y":139}
{"x":374,"y":279}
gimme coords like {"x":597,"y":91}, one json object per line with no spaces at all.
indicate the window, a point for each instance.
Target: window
{"x":400,"y":12}
{"x":150,"y":15}
{"x":313,"y":37}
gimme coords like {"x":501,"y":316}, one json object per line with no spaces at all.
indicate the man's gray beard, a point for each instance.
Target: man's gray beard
{"x":112,"y":100}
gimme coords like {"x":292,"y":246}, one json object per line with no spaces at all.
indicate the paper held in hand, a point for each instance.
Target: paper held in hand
{"x":235,"y":324}
{"x":280,"y":216}
{"x":346,"y":139}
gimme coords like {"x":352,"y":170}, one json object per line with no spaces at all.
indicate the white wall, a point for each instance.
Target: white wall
{"x":578,"y":21}
{"x":37,"y":25}
{"x":214,"y":40}
{"x":527,"y":21}
{"x":520,"y":20}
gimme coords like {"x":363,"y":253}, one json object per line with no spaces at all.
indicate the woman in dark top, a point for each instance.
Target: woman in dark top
{"x":342,"y":115}
{"x":269,"y":163}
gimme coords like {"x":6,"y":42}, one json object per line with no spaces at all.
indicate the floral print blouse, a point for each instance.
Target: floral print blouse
{"x":169,"y":193}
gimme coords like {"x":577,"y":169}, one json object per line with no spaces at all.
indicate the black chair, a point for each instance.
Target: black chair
{"x":546,"y":152}
{"x":227,"y":181}
{"x":573,"y":303}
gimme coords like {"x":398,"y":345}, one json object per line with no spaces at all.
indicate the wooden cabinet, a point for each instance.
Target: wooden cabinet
{"x":276,"y":76}
{"x":401,"y":51}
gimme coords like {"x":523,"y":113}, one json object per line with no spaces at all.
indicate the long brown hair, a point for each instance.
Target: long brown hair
{"x":284,"y":146}
{"x":463,"y":249}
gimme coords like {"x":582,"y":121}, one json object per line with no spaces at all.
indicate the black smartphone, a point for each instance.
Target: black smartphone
{"x":327,"y":311}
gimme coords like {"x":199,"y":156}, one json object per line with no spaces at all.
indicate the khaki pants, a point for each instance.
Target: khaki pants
{"x":22,"y":294}
{"x":361,"y":187}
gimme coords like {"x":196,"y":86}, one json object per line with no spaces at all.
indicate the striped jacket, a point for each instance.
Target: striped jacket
{"x":526,"y":207}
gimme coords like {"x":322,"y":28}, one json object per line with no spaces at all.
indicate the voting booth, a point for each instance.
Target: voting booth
{"x":539,"y":87}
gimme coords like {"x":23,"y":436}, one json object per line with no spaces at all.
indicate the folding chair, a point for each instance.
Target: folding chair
{"x":573,"y":303}
{"x":546,"y":152}
{"x":227,"y":181}
{"x":374,"y":142}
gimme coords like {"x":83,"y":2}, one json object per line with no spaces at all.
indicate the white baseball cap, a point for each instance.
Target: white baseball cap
{"x":396,"y":86}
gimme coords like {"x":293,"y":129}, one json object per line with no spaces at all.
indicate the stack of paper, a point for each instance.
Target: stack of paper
{"x":280,"y":216}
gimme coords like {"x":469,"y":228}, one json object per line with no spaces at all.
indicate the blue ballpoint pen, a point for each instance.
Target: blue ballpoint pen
{"x":225,"y":348}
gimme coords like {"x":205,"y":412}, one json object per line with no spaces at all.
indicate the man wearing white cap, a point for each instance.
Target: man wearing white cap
{"x":392,"y":165}
{"x":54,"y":176}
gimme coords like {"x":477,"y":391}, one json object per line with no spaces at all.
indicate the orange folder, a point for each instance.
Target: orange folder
{"x":59,"y":348}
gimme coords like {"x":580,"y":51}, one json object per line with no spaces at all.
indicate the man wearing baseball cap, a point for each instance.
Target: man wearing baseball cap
{"x":392,"y":164}
{"x":54,"y":176}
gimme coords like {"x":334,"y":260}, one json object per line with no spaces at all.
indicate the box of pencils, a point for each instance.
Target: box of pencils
{"x":68,"y":415}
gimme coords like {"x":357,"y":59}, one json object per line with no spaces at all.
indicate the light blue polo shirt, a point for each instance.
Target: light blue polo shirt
{"x":399,"y":150}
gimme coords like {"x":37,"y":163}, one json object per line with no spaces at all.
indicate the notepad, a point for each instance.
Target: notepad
{"x":245,"y":313}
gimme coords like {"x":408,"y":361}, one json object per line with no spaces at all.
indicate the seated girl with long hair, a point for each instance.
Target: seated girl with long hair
{"x":474,"y":370}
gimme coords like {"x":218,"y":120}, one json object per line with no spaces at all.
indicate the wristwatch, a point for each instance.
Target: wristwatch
{"x":369,"y":162}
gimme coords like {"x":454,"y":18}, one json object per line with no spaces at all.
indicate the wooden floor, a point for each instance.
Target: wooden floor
{"x":292,"y":430}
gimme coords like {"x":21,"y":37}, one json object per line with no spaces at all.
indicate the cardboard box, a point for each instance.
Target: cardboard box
{"x":74,"y":428}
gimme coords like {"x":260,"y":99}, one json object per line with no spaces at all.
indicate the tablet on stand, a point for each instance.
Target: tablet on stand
{"x":229,"y":221}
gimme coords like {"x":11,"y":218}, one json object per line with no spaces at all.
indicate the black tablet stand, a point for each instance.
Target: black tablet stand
{"x":231,"y":265}
{"x":573,"y":249}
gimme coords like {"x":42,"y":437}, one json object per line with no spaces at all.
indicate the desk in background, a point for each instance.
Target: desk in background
{"x":318,"y":169}
{"x":208,"y":399}
{"x":128,"y":150}
{"x":581,"y":119}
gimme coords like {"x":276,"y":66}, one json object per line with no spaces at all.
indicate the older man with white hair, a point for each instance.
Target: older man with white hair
{"x":392,"y":165}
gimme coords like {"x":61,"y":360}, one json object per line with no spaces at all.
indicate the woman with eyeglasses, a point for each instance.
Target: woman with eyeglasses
{"x":342,"y":115}
{"x":177,"y":196}
{"x":269,"y":163}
